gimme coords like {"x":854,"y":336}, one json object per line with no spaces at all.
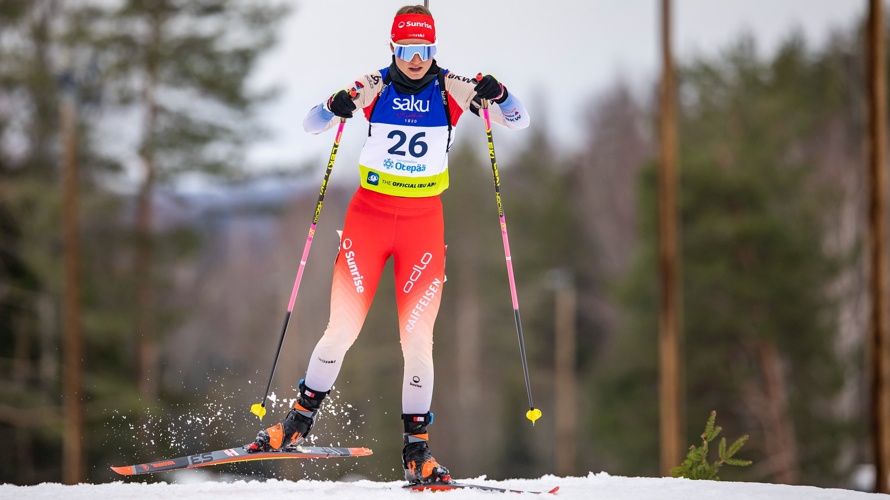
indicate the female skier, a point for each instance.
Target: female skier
{"x":412,"y":107}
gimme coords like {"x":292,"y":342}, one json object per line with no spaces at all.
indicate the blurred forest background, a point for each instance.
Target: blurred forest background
{"x":179,"y":297}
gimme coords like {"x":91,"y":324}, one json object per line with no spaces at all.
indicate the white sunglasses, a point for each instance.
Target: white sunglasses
{"x":407,"y":52}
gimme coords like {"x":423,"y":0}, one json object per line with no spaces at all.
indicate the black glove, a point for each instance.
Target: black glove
{"x":489,"y":88}
{"x":341,"y":104}
{"x":476,"y":105}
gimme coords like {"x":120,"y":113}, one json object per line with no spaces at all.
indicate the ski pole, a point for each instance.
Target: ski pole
{"x":533,"y":413}
{"x":259,"y":409}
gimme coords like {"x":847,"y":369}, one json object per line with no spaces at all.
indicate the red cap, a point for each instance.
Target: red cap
{"x":419,"y":26}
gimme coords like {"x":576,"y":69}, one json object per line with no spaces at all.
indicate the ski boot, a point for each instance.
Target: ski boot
{"x":419,"y":464}
{"x":295,"y":427}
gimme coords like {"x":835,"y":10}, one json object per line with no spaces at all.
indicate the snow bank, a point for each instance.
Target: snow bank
{"x":594,"y":486}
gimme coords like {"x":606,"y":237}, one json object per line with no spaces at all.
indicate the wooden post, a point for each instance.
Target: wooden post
{"x":148,"y":367}
{"x":72,"y":440}
{"x":565,"y":378}
{"x":669,"y":337}
{"x":879,"y":337}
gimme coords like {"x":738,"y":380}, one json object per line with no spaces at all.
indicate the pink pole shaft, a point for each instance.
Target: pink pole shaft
{"x":293,"y":294}
{"x":503,"y":219}
{"x":324,"y":187}
{"x":509,"y":263}
{"x":305,"y":256}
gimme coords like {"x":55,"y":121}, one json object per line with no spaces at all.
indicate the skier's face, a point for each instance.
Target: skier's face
{"x":416,"y":67}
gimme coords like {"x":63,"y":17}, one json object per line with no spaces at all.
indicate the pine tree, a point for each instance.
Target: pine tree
{"x":202,"y":120}
{"x":41,"y":52}
{"x":758,"y":323}
{"x":180,"y":67}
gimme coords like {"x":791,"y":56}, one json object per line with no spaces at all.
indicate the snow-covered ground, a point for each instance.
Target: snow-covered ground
{"x":593,"y":486}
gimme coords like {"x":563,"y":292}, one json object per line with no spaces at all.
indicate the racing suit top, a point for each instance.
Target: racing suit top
{"x":406,"y":152}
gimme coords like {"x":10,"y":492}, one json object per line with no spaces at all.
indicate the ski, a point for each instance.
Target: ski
{"x":238,"y":454}
{"x":461,"y":486}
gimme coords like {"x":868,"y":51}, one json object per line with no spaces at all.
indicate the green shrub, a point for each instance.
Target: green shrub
{"x":696,"y":465}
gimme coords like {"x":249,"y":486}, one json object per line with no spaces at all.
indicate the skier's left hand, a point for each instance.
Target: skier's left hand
{"x":491,"y":89}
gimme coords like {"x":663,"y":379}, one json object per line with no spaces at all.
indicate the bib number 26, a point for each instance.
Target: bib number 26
{"x":416,"y":147}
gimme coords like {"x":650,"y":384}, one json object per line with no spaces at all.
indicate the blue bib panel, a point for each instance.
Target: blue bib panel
{"x":406,"y":153}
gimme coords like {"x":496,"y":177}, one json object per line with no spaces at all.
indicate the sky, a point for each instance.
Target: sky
{"x":599,"y":485}
{"x":556,"y":56}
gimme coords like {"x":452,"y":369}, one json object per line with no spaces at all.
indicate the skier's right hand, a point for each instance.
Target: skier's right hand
{"x":341,"y":104}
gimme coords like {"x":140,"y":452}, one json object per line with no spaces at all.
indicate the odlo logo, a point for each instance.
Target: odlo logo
{"x":411,"y":104}
{"x":416,"y":271}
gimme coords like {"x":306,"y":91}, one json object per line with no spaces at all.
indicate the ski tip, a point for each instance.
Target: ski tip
{"x":554,"y":490}
{"x":124,"y":471}
{"x":360,"y":452}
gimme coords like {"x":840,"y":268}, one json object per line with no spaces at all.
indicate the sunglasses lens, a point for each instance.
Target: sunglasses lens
{"x":407,"y":52}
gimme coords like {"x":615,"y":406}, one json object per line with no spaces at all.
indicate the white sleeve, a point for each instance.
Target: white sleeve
{"x":319,"y":119}
{"x":511,"y":113}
